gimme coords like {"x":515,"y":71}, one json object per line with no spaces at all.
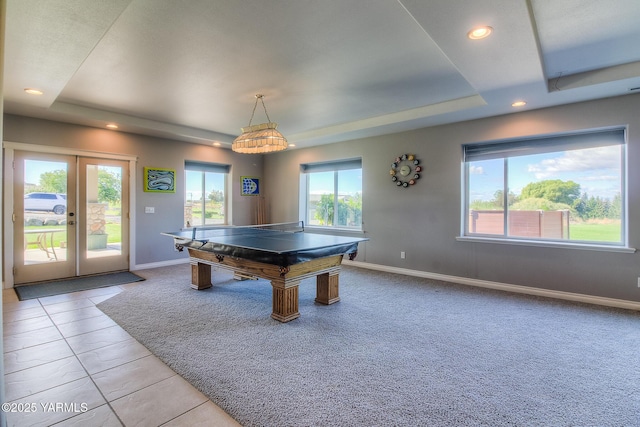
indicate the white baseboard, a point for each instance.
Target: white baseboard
{"x":528,"y":290}
{"x":589,"y":299}
{"x":159,"y":264}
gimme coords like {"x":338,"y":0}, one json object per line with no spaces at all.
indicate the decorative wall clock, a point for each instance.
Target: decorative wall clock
{"x":405,"y":170}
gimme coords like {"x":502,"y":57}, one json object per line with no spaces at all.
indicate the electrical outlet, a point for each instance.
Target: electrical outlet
{"x":149,"y":209}
{"x":639,"y":282}
{"x":403,"y":256}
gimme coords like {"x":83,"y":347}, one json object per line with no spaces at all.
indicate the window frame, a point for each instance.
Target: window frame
{"x":504,"y":149}
{"x":330,"y":166}
{"x":205,"y":167}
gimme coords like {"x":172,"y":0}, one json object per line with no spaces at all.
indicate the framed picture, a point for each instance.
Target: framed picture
{"x":250,"y":186}
{"x":157,"y":180}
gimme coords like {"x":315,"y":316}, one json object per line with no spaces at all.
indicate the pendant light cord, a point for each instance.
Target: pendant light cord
{"x":261,"y":98}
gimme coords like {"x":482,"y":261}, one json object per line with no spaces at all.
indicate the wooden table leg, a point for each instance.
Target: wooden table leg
{"x":285,"y":301}
{"x":327,"y":288}
{"x":200,"y":275}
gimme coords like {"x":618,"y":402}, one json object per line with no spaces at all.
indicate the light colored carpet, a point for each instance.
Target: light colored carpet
{"x":395,"y":351}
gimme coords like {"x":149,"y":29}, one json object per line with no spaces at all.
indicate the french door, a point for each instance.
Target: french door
{"x":70,"y":216}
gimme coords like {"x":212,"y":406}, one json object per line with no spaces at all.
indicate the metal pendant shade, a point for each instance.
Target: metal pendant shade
{"x":259,"y":139}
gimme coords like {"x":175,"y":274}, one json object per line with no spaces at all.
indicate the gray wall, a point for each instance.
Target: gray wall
{"x":151,"y":247}
{"x":424,"y":220}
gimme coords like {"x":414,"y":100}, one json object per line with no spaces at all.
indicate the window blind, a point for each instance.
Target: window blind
{"x":540,"y":145}
{"x":332,"y":166}
{"x":206,"y":167}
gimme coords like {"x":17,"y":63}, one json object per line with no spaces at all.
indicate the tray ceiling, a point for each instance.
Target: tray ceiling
{"x":330,"y":70}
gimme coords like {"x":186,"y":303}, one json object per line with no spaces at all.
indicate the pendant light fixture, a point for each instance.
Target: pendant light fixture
{"x":262,"y":138}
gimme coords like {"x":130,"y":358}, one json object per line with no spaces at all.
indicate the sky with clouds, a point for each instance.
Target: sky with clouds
{"x":597,"y":170}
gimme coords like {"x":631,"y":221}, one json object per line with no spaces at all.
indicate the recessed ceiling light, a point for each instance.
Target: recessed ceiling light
{"x":292,"y":145}
{"x":519,"y":104}
{"x":112,"y":126}
{"x":479,"y":32}
{"x":216,"y":144}
{"x":32,"y":91}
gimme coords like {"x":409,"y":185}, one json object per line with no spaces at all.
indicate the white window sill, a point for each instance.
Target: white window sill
{"x":548,"y":244}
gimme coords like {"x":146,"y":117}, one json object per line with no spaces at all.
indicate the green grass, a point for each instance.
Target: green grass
{"x":113,"y":231}
{"x":594,"y":232}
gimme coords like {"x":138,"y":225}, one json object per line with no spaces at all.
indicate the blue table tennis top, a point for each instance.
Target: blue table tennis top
{"x":269,"y":246}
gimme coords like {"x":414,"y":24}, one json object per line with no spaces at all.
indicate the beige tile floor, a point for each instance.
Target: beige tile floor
{"x":68,"y":364}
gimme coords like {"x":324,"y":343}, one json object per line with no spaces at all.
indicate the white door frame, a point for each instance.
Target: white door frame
{"x":7,"y":221}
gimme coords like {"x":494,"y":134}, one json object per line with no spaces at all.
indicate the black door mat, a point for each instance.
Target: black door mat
{"x":75,"y":284}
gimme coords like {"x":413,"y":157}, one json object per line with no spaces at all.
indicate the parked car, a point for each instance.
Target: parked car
{"x":50,"y":202}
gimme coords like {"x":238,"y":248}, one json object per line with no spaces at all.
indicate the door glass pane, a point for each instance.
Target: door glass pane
{"x":45,"y":207}
{"x":104,"y":211}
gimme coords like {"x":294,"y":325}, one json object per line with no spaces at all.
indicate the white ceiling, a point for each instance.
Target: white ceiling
{"x":330,"y":70}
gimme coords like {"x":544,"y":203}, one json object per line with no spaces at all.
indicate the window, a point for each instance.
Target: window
{"x":562,"y":188}
{"x":331,"y":188}
{"x":205,"y":193}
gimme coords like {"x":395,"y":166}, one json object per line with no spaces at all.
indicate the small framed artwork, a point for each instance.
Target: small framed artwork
{"x":250,"y":186}
{"x":158,"y":180}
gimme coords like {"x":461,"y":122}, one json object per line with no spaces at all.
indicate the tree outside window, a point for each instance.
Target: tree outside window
{"x":205,"y":194}
{"x":559,"y":188}
{"x":334,"y":195}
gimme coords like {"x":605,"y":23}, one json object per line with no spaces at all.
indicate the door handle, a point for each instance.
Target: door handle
{"x":71,"y":222}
